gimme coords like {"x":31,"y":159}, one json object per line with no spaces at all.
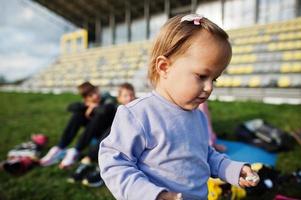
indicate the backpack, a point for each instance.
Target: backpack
{"x":264,"y":135}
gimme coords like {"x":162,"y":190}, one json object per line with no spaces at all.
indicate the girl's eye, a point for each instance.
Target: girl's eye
{"x":202,"y":76}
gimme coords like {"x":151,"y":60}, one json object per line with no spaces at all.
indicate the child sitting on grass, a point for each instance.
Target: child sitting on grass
{"x":157,"y":148}
{"x":86,"y":172}
{"x":94,"y":113}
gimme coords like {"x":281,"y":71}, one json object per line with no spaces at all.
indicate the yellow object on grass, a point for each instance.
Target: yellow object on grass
{"x":215,"y":191}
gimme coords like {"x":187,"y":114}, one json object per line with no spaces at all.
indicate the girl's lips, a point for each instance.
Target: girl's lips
{"x":201,"y":99}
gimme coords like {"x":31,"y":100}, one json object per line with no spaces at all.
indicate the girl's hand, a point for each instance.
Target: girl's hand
{"x":248,"y":178}
{"x":169,"y":196}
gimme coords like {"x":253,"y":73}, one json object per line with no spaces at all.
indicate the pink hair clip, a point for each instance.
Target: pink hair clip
{"x":195,"y":18}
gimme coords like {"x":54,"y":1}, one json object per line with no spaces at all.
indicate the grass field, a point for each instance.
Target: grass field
{"x":24,"y":114}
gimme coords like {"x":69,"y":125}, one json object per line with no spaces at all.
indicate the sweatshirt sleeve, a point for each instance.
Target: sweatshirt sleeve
{"x":118,"y":155}
{"x":220,"y":165}
{"x":224,"y":168}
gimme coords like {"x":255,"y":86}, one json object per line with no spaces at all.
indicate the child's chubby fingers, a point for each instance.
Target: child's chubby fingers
{"x":248,"y":177}
{"x":169,"y":196}
{"x":244,"y":183}
{"x":253,"y":179}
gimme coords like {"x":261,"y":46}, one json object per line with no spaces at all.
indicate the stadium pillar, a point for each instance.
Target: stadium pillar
{"x":113,"y":27}
{"x":85,"y":25}
{"x":223,"y":11}
{"x":98,"y":31}
{"x":147,"y":17}
{"x":167,"y":8}
{"x":194,"y":4}
{"x":298,"y":8}
{"x":256,"y":11}
{"x":128,"y":20}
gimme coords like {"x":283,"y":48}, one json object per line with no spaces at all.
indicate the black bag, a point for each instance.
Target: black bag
{"x":261,"y":134}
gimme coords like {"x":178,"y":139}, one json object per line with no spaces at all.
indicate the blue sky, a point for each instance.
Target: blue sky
{"x":29,"y":38}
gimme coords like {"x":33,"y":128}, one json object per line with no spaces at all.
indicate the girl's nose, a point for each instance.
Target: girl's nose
{"x":208,"y":86}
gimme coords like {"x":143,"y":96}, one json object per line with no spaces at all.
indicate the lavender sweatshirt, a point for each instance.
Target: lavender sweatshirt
{"x":154,"y":145}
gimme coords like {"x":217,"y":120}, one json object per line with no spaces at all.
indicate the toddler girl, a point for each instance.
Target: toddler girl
{"x":157,"y":148}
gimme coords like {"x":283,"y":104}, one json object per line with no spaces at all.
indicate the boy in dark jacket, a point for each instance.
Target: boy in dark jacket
{"x":94,"y":113}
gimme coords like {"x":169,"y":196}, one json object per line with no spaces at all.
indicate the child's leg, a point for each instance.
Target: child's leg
{"x":93,"y":149}
{"x":99,"y":123}
{"x":93,"y":152}
{"x":77,"y":120}
{"x":56,"y":153}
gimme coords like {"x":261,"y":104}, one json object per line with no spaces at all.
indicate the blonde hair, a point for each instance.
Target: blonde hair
{"x":175,"y":37}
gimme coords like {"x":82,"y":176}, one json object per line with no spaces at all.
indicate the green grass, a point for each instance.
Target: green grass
{"x":24,"y":114}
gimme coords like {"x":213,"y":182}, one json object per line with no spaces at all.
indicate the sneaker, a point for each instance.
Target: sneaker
{"x":54,"y":155}
{"x":69,"y":159}
{"x":80,"y":173}
{"x":93,"y":179}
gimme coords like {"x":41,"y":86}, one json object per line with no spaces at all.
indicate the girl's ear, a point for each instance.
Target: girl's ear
{"x":162,"y":66}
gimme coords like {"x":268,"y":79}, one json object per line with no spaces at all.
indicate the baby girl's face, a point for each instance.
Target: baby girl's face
{"x":190,"y":77}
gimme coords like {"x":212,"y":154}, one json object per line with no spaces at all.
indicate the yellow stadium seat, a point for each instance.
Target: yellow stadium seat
{"x":284,"y":81}
{"x":254,"y":81}
{"x":227,"y":82}
{"x":272,"y":46}
{"x":285,"y":68}
{"x":293,"y":67}
{"x":296,"y":67}
{"x":248,"y":69}
{"x":298,"y":55}
{"x":289,"y":55}
{"x":49,"y":83}
{"x":236,"y":82}
{"x":231,"y":70}
{"x":220,"y":82}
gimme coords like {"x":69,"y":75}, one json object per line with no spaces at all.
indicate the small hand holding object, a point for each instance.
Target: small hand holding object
{"x":169,"y":196}
{"x":248,"y":178}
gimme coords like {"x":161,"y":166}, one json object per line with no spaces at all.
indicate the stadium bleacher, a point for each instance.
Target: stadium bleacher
{"x":264,"y":56}
{"x":105,"y":66}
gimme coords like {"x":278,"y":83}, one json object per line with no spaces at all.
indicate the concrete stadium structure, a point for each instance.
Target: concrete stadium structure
{"x":116,"y":36}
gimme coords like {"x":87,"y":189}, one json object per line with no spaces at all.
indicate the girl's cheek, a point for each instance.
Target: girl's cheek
{"x":200,"y":86}
{"x":195,"y":87}
{"x":198,"y":83}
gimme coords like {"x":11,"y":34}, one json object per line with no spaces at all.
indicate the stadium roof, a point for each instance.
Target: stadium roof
{"x":94,"y":14}
{"x":80,"y":12}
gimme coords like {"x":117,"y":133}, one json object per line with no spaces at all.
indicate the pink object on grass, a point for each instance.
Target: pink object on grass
{"x":281,"y":197}
{"x":39,"y":139}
